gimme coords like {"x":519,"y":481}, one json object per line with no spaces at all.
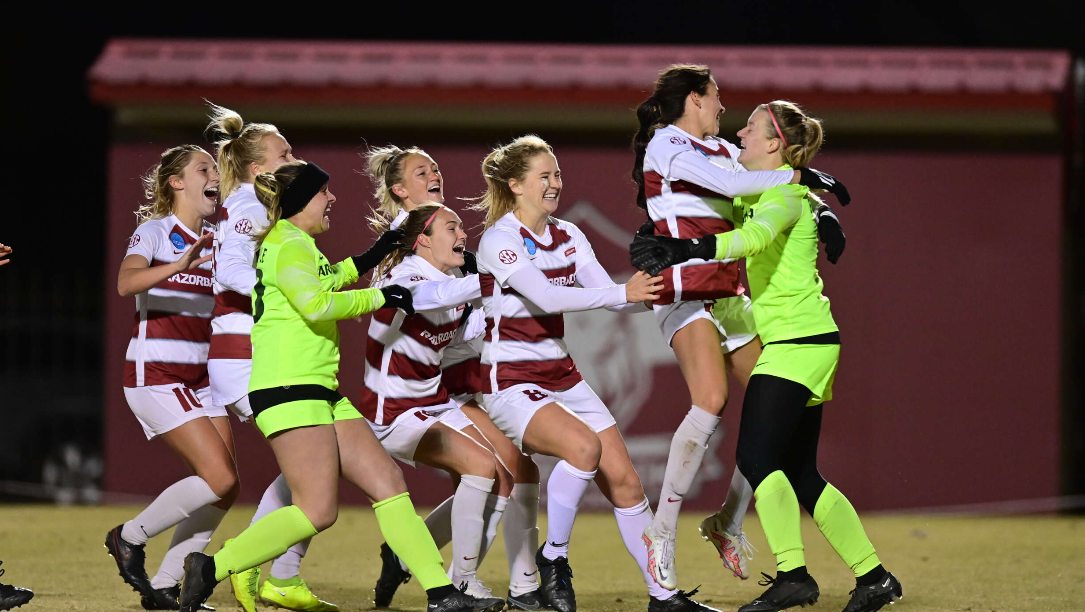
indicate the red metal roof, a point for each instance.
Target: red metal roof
{"x":154,"y":70}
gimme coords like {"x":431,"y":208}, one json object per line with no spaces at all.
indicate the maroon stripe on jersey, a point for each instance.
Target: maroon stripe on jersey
{"x":697,"y":190}
{"x":464,"y":377}
{"x":528,"y":329}
{"x":704,"y":282}
{"x":695,"y":227}
{"x":720,"y":151}
{"x":419,"y":328}
{"x":385,"y":315}
{"x":552,"y":375}
{"x":486,"y":283}
{"x":399,"y":364}
{"x":229,"y":302}
{"x":395,"y":406}
{"x":558,"y":237}
{"x":171,"y":326}
{"x":230,"y":346}
{"x":192,"y":375}
{"x":653,"y":184}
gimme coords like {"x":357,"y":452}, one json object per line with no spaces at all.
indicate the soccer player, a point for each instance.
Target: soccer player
{"x":167,"y":268}
{"x":781,"y":414}
{"x":316,"y":434}
{"x":245,"y":150}
{"x":404,"y":397}
{"x":528,"y":264}
{"x":686,"y":177}
{"x":404,"y":179}
{"x":12,"y":596}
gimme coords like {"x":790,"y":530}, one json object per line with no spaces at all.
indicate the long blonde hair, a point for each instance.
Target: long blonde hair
{"x":241,"y":145}
{"x":384,"y":166}
{"x":270,"y":187}
{"x":803,"y":133}
{"x":503,"y":164}
{"x":156,"y":182}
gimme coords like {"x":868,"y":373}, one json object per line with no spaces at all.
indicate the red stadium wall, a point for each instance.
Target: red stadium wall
{"x":947,"y":298}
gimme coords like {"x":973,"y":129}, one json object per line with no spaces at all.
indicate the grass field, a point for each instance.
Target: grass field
{"x":964,"y":564}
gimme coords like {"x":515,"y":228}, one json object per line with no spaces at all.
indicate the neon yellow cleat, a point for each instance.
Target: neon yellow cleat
{"x":295,"y":597}
{"x":246,"y":585}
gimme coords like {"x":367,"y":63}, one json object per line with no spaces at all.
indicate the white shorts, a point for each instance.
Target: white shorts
{"x":732,"y":316}
{"x":161,"y":408}
{"x":513,"y":408}
{"x":463,"y":398}
{"x":401,"y":437}
{"x":229,"y":380}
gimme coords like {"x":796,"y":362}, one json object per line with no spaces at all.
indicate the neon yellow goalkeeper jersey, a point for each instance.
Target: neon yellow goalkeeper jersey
{"x":777,"y":234}
{"x":295,"y":306}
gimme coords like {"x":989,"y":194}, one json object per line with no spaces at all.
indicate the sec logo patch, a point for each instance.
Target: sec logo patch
{"x":243,"y":226}
{"x":678,"y":140}
{"x":133,"y":241}
{"x":506,"y":256}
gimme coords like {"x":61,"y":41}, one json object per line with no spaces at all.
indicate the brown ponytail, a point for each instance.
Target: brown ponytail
{"x":413,"y":226}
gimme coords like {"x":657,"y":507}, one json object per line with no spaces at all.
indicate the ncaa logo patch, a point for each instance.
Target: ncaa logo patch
{"x":678,"y":140}
{"x":530,"y":244}
{"x":133,"y":241}
{"x":506,"y":256}
{"x":177,"y":240}
{"x":243,"y":226}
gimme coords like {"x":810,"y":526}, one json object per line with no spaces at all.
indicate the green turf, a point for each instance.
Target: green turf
{"x":945,"y":563}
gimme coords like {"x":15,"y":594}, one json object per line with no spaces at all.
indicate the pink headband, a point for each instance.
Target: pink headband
{"x":426,"y":227}
{"x":776,"y":125}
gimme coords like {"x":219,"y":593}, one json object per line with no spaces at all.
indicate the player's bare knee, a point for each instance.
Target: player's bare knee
{"x":585,"y":453}
{"x":324,"y":517}
{"x":711,"y":401}
{"x":480,"y":462}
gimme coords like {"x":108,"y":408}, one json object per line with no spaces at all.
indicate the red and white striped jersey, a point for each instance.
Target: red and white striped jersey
{"x":403,"y":354}
{"x":172,"y":329}
{"x":524,"y":341}
{"x":233,"y":275}
{"x":685,"y":209}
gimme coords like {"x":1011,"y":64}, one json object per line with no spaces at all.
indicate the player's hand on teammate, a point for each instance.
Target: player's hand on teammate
{"x":389,"y":241}
{"x":470,"y":264}
{"x":643,"y":287}
{"x":191,"y":258}
{"x":397,"y":296}
{"x":830,"y":233}
{"x":4,"y":252}
{"x":653,"y":254}
{"x":816,"y":179}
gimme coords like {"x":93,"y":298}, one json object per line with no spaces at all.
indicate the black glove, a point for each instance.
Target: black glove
{"x":470,"y":263}
{"x":397,"y":296}
{"x":653,"y":254}
{"x":648,"y":228}
{"x":830,"y":232}
{"x":816,"y":179}
{"x":388,"y":242}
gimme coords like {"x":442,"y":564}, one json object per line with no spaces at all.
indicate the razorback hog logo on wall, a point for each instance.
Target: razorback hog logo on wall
{"x":506,"y":256}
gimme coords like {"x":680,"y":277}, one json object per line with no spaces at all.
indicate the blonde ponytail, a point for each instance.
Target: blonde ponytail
{"x":503,"y":164}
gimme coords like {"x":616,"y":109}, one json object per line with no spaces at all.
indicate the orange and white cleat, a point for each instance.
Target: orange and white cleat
{"x":735,"y":550}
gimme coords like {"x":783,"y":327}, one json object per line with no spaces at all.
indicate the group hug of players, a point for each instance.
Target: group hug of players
{"x":466,"y":368}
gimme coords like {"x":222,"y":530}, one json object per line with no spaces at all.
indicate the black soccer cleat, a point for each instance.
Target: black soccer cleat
{"x":556,"y":578}
{"x":130,"y":560}
{"x":528,"y":601}
{"x":199,"y":581}
{"x":392,"y":575}
{"x":871,"y":597}
{"x":783,"y":594}
{"x":458,"y":601}
{"x":13,"y":596}
{"x":679,"y":602}
{"x":166,"y":599}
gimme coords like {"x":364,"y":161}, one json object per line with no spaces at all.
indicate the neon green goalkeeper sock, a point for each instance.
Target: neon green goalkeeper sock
{"x":778,"y":509}
{"x":837,"y":520}
{"x":407,"y":536}
{"x":264,"y":540}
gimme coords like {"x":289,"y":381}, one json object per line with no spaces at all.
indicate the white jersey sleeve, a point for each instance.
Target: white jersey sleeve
{"x":674,"y":159}
{"x":145,"y":242}
{"x":502,"y":254}
{"x":442,"y":294}
{"x":234,"y":257}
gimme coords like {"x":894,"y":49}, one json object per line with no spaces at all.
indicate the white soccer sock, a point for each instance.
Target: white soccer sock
{"x":468,"y":506}
{"x":564,"y":491}
{"x":688,"y":447}
{"x":439,"y":522}
{"x":278,"y":495}
{"x":495,"y":507}
{"x":522,"y":537}
{"x":631,"y":524}
{"x":172,"y":506}
{"x":733,"y":512}
{"x":192,"y":535}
